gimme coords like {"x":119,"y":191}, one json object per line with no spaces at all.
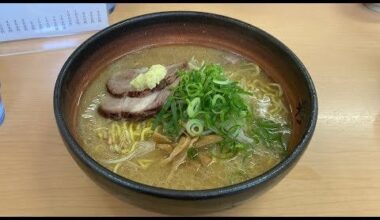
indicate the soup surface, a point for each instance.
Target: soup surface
{"x":130,"y":148}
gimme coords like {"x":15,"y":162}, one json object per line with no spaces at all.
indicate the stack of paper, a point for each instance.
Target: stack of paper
{"x":25,"y":21}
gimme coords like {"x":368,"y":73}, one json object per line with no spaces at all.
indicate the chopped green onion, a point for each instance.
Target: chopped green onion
{"x":233,"y":131}
{"x":222,"y":82}
{"x":202,"y":101}
{"x":193,"y":107}
{"x":218,"y":106}
{"x":194,"y":127}
{"x":193,"y":90}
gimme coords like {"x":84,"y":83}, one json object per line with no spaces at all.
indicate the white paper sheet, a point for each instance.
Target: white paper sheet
{"x":31,"y":20}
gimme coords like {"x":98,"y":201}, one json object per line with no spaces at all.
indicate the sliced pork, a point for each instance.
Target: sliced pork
{"x":134,"y":108}
{"x":119,"y":84}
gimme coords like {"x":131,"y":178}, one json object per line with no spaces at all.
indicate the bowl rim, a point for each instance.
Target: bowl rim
{"x":173,"y":193}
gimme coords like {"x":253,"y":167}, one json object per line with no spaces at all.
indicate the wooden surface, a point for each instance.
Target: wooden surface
{"x":339,"y":174}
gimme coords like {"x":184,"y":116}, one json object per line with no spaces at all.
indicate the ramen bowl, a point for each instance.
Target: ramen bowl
{"x":183,"y":27}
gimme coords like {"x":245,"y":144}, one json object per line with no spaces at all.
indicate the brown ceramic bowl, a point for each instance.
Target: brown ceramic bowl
{"x":185,"y":28}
